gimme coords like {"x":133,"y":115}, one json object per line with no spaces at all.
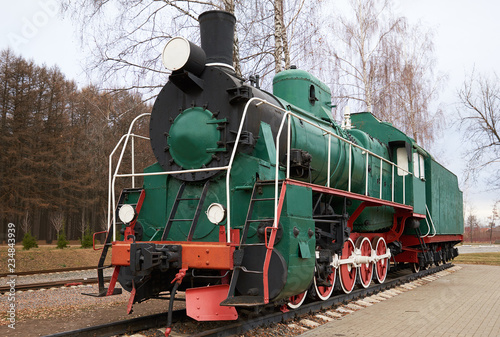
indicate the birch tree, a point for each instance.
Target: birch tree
{"x":361,"y":37}
{"x":57,"y":221}
{"x":386,"y":67}
{"x":409,"y":84}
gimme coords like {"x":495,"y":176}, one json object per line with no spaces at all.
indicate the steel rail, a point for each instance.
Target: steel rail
{"x":45,"y":285}
{"x":123,"y":327}
{"x":160,"y":320}
{"x":48,"y":271}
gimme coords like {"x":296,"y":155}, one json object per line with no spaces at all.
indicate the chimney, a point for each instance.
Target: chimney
{"x":217,"y":36}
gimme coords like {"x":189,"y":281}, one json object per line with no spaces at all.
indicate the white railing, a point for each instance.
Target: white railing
{"x":287,"y":115}
{"x":112,"y":177}
{"x":429,"y":227}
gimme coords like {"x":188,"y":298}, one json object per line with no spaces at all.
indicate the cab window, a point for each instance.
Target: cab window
{"x":418,"y":165}
{"x":402,"y":161}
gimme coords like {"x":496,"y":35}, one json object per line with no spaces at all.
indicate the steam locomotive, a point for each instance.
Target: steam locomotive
{"x":264,"y":199}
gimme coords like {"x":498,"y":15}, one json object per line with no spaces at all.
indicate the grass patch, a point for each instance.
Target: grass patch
{"x":492,"y":259}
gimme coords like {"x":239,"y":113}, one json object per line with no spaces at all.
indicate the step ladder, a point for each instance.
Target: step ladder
{"x":239,"y":269}
{"x":423,"y":246}
{"x":194,"y":220}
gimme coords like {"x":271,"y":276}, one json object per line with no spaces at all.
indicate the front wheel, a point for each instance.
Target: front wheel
{"x":296,"y":301}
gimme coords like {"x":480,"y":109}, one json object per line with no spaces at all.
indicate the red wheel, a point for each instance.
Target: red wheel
{"x":381,"y":266}
{"x":324,"y":292}
{"x":296,"y":301}
{"x":365,"y":269}
{"x":347,"y":272}
{"x":415,"y":267}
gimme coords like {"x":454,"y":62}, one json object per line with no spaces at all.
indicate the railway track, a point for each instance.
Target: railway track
{"x":52,"y":284}
{"x":48,"y":271}
{"x":159,"y":320}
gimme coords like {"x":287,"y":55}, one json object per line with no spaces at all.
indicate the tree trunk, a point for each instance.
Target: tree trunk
{"x":229,"y":7}
{"x":278,"y":35}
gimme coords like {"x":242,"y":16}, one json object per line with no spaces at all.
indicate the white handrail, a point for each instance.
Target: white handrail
{"x":110,"y":165}
{"x":289,"y":134}
{"x":133,"y":161}
{"x":289,"y":114}
{"x":329,"y":158}
{"x":428,"y":229}
{"x":380,"y":188}
{"x":349,"y":177}
{"x":127,"y":136}
{"x":432,"y":222}
{"x":366,"y":175}
{"x":229,"y":166}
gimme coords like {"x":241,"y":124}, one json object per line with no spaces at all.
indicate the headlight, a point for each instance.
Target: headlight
{"x":126,"y":213}
{"x":180,"y":53}
{"x":216,"y":213}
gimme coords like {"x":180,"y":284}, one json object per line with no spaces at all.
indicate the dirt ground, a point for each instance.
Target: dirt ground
{"x":73,"y":317}
{"x":49,"y":257}
{"x":70,"y":316}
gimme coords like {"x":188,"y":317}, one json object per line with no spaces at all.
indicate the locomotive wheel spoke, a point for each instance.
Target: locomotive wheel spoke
{"x":296,"y":301}
{"x":381,"y":266}
{"x":347,"y":272}
{"x":365,"y":271}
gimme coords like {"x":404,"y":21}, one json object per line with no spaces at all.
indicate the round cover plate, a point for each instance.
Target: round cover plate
{"x":192,"y":139}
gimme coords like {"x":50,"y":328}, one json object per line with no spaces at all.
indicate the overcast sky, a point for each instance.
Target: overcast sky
{"x":466,"y":36}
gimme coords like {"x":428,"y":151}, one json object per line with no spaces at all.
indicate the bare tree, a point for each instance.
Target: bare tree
{"x":361,"y":39}
{"x":126,"y":37}
{"x":82,"y":226}
{"x":409,"y":84}
{"x":473,"y":223}
{"x":103,"y":225}
{"x":57,"y":221}
{"x":281,"y":49}
{"x":26,"y":223}
{"x":277,"y":34}
{"x":386,"y":67}
{"x":479,"y":109}
{"x":494,"y":217}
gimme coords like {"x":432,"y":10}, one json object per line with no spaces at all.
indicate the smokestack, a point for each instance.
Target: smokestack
{"x":217,"y":36}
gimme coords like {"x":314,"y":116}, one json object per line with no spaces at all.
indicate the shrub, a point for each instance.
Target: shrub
{"x":87,"y":240}
{"x":61,"y":240}
{"x":29,"y":241}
